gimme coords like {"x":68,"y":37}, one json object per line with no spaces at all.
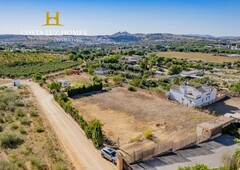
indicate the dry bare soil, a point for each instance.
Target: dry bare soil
{"x":198,"y":56}
{"x":5,"y":81}
{"x":127,"y":114}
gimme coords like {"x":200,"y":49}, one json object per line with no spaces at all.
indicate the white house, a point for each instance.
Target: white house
{"x":193,"y":94}
{"x":101,"y":71}
{"x":64,"y":83}
{"x":16,"y":83}
{"x":133,"y":59}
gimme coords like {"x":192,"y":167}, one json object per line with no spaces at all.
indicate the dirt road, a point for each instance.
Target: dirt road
{"x":80,"y":150}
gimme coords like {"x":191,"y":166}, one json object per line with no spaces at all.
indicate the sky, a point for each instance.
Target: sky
{"x":104,"y":17}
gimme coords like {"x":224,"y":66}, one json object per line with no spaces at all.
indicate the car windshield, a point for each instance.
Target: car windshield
{"x":113,"y":154}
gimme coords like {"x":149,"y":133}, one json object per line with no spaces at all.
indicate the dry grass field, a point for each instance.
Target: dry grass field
{"x":127,"y":114}
{"x":197,"y":56}
{"x":26,"y":142}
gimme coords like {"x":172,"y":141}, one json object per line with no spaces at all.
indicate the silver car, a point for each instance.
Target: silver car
{"x":109,"y":154}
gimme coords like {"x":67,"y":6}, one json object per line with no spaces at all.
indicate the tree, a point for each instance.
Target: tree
{"x":95,"y":132}
{"x":70,"y":56}
{"x":176,"y":81}
{"x":37,"y":76}
{"x":97,"y":79}
{"x":55,"y":86}
{"x":235,"y":87}
{"x":135,"y":82}
{"x":175,"y":69}
{"x":118,"y":79}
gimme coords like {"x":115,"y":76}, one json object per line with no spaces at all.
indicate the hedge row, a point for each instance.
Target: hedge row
{"x":85,"y":89}
{"x":92,"y":129}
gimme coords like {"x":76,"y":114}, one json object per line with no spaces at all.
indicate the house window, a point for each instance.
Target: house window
{"x":202,"y":100}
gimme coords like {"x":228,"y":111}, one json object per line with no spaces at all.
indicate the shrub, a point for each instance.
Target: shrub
{"x":147,"y":133}
{"x":20,"y":112}
{"x":4,"y":165}
{"x":22,"y":130}
{"x":1,"y":128}
{"x":136,"y":139}
{"x":34,"y":113}
{"x":94,"y":131}
{"x":40,"y":129}
{"x":61,"y":166}
{"x":38,"y":163}
{"x":10,"y":140}
{"x":26,"y":150}
{"x":25,"y":121}
{"x":14,"y":126}
{"x":131,"y":88}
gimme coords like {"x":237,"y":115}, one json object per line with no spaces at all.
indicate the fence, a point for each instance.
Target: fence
{"x":162,"y":148}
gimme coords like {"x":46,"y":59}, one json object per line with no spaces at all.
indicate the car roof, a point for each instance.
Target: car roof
{"x":109,"y":149}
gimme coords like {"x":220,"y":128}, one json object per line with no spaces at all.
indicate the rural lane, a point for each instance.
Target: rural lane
{"x":79,"y":149}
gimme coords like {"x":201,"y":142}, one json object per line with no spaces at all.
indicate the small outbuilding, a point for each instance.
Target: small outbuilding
{"x":64,"y":83}
{"x":16,"y":83}
{"x":101,"y":71}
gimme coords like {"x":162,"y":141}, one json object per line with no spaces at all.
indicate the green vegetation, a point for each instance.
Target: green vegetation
{"x":93,"y":129}
{"x":131,"y":88}
{"x":22,"y":134}
{"x":235,"y":87}
{"x":199,"y":167}
{"x":118,"y":80}
{"x":147,"y":133}
{"x":175,"y":69}
{"x":28,"y":57}
{"x":10,"y":140}
{"x":84,"y":89}
{"x":28,"y":69}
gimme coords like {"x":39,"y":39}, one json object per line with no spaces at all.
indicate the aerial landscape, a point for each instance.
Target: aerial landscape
{"x":120,"y":85}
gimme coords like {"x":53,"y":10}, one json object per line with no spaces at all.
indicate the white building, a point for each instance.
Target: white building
{"x":133,"y":59}
{"x":193,"y":94}
{"x":101,"y":71}
{"x":64,"y":83}
{"x":16,"y":83}
{"x":236,"y":47}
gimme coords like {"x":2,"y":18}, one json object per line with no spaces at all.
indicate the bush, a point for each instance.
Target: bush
{"x":131,"y":88}
{"x":61,"y":166}
{"x":147,"y":133}
{"x":14,"y":126}
{"x":25,"y":121}
{"x":22,"y":130}
{"x":33,"y":113}
{"x":40,"y":129}
{"x":38,"y":163}
{"x":197,"y":167}
{"x":1,"y":128}
{"x":94,"y":131}
{"x":20,"y":112}
{"x":4,"y":165}
{"x":136,"y":139}
{"x":10,"y":140}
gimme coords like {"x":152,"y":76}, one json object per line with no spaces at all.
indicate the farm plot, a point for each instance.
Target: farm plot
{"x":127,"y":114}
{"x":198,"y":56}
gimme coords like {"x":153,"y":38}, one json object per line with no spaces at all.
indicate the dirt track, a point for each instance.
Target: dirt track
{"x":80,"y":150}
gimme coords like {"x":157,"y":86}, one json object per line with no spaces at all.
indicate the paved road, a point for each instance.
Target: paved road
{"x":209,"y":153}
{"x":80,"y":150}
